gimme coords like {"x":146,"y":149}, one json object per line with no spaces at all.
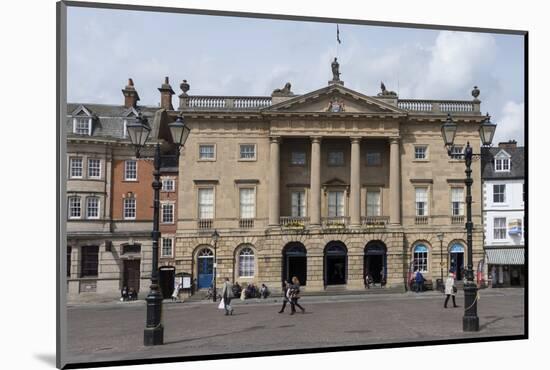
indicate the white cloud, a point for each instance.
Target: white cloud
{"x":510,"y":123}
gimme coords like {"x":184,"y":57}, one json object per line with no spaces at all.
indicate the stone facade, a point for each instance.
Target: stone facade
{"x":377,"y":138}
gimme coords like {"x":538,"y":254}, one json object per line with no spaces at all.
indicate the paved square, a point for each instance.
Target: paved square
{"x":115,"y":331}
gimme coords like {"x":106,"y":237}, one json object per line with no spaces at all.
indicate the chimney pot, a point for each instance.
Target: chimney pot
{"x":131,"y":96}
{"x":166,"y":93}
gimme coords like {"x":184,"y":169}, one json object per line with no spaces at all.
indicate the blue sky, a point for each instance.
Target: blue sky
{"x":243,"y":56}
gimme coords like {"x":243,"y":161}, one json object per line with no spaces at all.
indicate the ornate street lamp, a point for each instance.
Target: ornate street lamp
{"x":215,"y":237}
{"x":440,"y":238}
{"x":470,"y":321}
{"x":139,"y":131}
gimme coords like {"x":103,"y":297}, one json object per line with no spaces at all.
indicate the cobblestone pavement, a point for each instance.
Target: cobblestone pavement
{"x":115,"y":331}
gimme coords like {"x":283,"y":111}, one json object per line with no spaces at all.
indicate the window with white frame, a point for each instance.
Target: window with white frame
{"x":130,"y":170}
{"x":499,"y":193}
{"x":502,"y":164}
{"x":373,"y":158}
{"x":74,"y":207}
{"x":373,"y":202}
{"x":206,"y":203}
{"x":247,"y":203}
{"x":298,"y":203}
{"x":94,"y":168}
{"x":420,"y":258}
{"x":457,"y":201}
{"x":335,"y":204}
{"x":129,"y":208}
{"x":499,"y":228}
{"x":92,"y":207}
{"x":168,"y":185}
{"x":421,"y":195}
{"x":456,"y":151}
{"x":420,"y":152}
{"x":167,"y":213}
{"x":336,"y":158}
{"x":125,"y":129}
{"x":167,"y":247}
{"x":207,"y":152}
{"x":75,"y":168}
{"x":82,"y":126}
{"x":246,"y":262}
{"x":247,"y":151}
{"x":298,"y":158}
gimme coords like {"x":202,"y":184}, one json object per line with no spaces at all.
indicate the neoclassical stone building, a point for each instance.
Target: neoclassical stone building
{"x":327,"y":186}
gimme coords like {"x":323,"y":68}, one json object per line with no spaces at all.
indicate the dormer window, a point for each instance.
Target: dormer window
{"x":82,"y":126}
{"x":502,"y":162}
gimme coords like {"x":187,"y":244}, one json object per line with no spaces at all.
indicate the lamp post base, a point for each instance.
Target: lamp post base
{"x":154,"y":331}
{"x":470,"y":321}
{"x":153,"y":336}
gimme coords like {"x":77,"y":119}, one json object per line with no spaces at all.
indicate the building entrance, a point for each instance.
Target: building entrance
{"x":456,"y":254}
{"x":131,"y":274}
{"x":336,"y":258}
{"x":167,"y":276}
{"x":295,"y":262}
{"x":375,"y":262}
{"x":205,"y":268}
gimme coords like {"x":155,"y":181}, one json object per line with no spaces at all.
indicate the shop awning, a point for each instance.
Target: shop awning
{"x":508,"y":256}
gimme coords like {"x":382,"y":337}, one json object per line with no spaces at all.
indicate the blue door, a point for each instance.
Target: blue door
{"x":205,"y":268}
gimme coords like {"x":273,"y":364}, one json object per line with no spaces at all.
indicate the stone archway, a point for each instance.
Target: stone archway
{"x":295,"y":262}
{"x":335,"y":263}
{"x":375,"y":261}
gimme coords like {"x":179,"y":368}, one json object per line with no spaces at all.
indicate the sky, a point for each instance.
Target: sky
{"x":252,"y":57}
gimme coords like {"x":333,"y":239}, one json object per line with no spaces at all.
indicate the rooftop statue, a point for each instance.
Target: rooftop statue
{"x":385,"y":92}
{"x":335,"y":70}
{"x":285,"y":91}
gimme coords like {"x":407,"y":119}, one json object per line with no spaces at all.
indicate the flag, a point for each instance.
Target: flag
{"x":338,"y":34}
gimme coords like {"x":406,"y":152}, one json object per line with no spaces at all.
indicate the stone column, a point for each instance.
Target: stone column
{"x":315,"y":182}
{"x":355,"y":182}
{"x":395,"y":175}
{"x":274,"y":170}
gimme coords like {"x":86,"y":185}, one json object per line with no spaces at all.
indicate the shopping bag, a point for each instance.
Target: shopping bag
{"x":221,"y":306}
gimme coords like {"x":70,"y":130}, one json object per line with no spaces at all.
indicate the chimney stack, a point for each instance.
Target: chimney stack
{"x":131,"y":96}
{"x":510,"y":144}
{"x":166,"y":93}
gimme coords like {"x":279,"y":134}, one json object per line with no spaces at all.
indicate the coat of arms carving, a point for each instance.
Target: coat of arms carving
{"x":336,"y":105}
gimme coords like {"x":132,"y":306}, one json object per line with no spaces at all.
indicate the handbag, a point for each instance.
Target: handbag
{"x":454,"y":289}
{"x":221,"y":306}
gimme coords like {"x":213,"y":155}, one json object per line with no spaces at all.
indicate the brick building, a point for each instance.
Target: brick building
{"x":110,"y":199}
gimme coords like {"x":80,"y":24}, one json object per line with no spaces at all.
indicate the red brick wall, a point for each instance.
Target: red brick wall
{"x":142,"y":190}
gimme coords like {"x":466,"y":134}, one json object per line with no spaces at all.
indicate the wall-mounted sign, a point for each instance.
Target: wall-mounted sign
{"x":514,"y":227}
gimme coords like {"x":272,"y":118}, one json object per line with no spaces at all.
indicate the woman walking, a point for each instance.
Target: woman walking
{"x":294,"y":295}
{"x":226,"y":294}
{"x":450,"y":289}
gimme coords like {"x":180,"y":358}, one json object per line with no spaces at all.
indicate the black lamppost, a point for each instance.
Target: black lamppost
{"x":139,"y":131}
{"x":470,"y":321}
{"x":440,"y":238}
{"x":215,"y":237}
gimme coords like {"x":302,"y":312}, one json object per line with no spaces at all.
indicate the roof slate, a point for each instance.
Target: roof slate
{"x":517,"y":164}
{"x":110,"y":119}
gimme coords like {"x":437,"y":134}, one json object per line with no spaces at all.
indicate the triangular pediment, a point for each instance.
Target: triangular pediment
{"x":82,"y":111}
{"x":335,"y":182}
{"x":130,"y":112}
{"x":335,"y":99}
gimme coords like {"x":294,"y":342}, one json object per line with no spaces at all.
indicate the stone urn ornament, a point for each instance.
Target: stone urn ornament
{"x":475,"y":92}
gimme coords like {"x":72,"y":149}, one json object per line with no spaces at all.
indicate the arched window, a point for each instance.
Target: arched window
{"x":206,"y":253}
{"x":420,"y":258}
{"x":246,"y":262}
